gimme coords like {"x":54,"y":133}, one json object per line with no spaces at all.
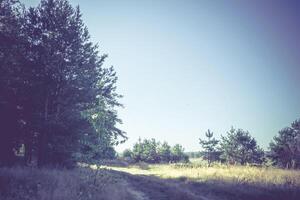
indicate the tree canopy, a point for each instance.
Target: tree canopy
{"x":151,"y":151}
{"x":57,"y":99}
{"x":238,"y":146}
{"x":285,"y":147}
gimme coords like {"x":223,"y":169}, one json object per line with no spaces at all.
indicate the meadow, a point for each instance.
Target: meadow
{"x":198,"y":171}
{"x":119,"y":180}
{"x":224,"y":181}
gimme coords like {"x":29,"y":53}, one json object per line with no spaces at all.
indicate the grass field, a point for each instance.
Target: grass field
{"x":225,"y":182}
{"x":197,"y":172}
{"x":191,"y":181}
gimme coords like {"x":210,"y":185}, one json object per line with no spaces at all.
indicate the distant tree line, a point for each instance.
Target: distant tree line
{"x":57,"y":101}
{"x":151,"y":151}
{"x":239,"y":147}
{"x":236,"y":147}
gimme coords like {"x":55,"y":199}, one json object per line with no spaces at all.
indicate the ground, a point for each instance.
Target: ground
{"x":147,"y":182}
{"x":220,"y":182}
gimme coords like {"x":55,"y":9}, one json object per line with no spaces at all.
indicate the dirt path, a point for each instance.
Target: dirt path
{"x":152,"y":188}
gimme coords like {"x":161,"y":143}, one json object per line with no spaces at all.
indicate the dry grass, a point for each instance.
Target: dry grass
{"x":225,"y":182}
{"x":59,"y":184}
{"x":142,"y":182}
{"x":198,"y":172}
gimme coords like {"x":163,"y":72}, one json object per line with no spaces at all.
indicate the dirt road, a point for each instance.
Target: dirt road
{"x":150,"y":187}
{"x":153,"y":188}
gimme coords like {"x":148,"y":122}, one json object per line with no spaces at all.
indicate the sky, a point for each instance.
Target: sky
{"x":191,"y":65}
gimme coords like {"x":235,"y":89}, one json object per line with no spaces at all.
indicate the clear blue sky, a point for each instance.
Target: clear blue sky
{"x":188,"y":66}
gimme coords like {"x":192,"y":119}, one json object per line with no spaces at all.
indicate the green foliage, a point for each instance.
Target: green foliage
{"x":151,"y":151}
{"x":12,"y":48}
{"x":178,"y":155}
{"x":164,"y":152}
{"x":285,"y":148}
{"x":239,"y":147}
{"x":127,"y":153}
{"x":209,"y":147}
{"x":56,"y":97}
{"x":146,"y":151}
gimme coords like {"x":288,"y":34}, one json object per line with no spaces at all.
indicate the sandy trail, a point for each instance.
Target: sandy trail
{"x":153,"y":188}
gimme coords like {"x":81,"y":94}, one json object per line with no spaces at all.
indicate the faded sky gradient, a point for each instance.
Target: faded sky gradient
{"x":186,"y":66}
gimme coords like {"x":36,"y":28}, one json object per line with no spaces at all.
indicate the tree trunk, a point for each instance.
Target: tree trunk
{"x":28,"y":151}
{"x":42,"y":141}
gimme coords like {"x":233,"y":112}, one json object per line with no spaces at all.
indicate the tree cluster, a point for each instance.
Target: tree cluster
{"x":151,"y":151}
{"x":239,"y":147}
{"x":57,"y":102}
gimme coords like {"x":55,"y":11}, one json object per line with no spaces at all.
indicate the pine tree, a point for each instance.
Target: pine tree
{"x":239,"y":147}
{"x":285,"y":148}
{"x":164,"y":152}
{"x":209,"y":146}
{"x":177,"y":154}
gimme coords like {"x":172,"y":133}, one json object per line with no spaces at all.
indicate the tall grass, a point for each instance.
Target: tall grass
{"x":58,"y":184}
{"x":226,"y":182}
{"x":193,"y":180}
{"x":239,"y":174}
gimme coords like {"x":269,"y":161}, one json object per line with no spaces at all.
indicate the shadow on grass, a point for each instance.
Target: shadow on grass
{"x":184,"y":189}
{"x":107,"y":184}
